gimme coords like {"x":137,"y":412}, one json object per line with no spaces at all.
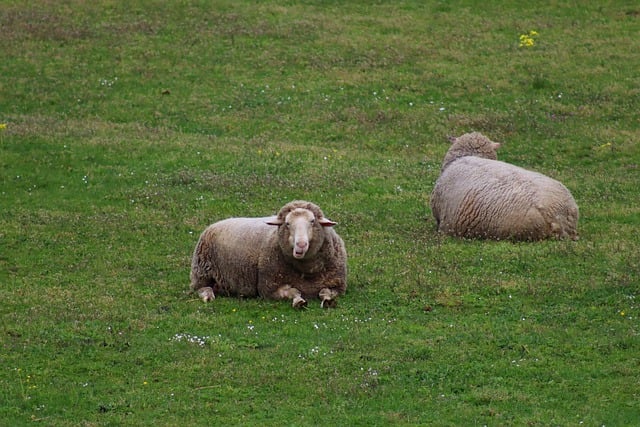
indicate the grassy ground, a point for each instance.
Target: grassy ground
{"x":125,"y":130}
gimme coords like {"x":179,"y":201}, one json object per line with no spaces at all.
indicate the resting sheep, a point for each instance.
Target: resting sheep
{"x":477,"y":196}
{"x":295,"y":255}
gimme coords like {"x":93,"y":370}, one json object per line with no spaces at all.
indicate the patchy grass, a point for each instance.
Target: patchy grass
{"x":129,"y":129}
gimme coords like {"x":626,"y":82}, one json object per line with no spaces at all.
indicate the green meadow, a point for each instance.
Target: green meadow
{"x":128,"y":127}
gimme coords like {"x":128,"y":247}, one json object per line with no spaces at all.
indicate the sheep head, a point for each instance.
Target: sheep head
{"x":471,"y":144}
{"x":300,"y":229}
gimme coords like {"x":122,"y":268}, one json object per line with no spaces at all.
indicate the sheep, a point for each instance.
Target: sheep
{"x":295,"y":255}
{"x":477,"y":196}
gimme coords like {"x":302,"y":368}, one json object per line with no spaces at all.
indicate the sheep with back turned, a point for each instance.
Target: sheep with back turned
{"x":477,"y":196}
{"x":295,"y":255}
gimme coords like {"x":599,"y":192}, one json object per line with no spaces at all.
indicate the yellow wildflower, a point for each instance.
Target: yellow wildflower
{"x":527,"y":40}
{"x":3,"y":126}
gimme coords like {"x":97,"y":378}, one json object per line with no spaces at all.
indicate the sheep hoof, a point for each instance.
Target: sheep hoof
{"x":328,"y":297}
{"x":329,"y":303}
{"x":206,"y":294}
{"x":299,"y":302}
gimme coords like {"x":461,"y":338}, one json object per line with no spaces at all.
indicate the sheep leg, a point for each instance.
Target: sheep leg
{"x":287,"y":292}
{"x":200,"y":283}
{"x":206,"y":294}
{"x":328,"y":298}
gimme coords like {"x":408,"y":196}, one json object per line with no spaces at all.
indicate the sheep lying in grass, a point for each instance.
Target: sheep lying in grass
{"x":295,"y":255}
{"x":478,"y":196}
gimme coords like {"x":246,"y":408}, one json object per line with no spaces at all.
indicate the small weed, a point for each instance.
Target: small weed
{"x":27,"y":384}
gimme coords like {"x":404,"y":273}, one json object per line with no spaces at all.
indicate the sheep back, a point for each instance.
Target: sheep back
{"x":227,"y":255}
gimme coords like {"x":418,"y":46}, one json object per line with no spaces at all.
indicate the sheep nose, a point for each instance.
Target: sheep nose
{"x":301,"y":244}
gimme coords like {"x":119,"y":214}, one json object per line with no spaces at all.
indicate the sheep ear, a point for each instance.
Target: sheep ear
{"x":495,"y":145}
{"x":326,"y":222}
{"x":274,"y":221}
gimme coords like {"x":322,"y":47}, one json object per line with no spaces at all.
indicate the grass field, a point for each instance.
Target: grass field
{"x":126,"y":129}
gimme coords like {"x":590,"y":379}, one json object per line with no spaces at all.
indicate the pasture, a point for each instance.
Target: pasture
{"x":127,"y":128}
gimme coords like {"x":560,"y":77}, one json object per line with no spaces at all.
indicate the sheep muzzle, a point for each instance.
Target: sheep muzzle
{"x":300,"y":248}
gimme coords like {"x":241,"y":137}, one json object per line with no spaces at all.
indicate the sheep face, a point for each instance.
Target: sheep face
{"x":300,"y":232}
{"x":300,"y":224}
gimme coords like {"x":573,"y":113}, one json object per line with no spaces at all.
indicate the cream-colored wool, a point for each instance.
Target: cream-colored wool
{"x":477,"y":196}
{"x":295,"y":255}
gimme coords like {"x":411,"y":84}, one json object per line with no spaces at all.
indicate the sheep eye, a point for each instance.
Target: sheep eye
{"x":313,"y":221}
{"x":286,"y":224}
